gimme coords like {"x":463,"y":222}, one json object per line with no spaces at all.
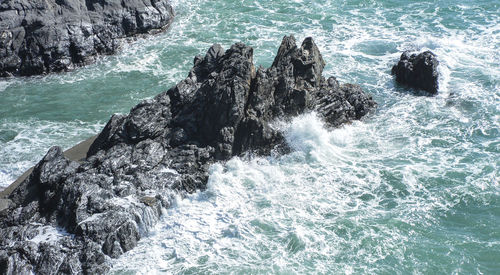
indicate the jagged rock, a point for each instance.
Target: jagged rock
{"x":38,"y":37}
{"x":418,"y":71}
{"x":164,"y":146}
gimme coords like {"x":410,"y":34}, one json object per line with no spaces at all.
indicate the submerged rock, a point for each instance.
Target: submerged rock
{"x":38,"y":37}
{"x":418,"y":71}
{"x":163,"y":147}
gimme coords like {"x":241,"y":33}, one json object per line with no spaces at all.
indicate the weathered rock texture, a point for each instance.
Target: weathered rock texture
{"x":418,"y":71}
{"x":41,"y":36}
{"x":165,"y":146}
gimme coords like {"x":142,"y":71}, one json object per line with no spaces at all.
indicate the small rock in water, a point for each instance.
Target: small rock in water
{"x":418,"y":71}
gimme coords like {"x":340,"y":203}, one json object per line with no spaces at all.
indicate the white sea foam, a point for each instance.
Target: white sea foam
{"x":4,"y":84}
{"x":49,"y":234}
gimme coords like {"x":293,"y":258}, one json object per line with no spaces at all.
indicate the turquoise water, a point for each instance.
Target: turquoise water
{"x":414,"y":188}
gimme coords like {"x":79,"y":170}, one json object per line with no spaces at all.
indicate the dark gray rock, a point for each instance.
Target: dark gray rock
{"x":100,"y":207}
{"x":42,"y":36}
{"x":418,"y":71}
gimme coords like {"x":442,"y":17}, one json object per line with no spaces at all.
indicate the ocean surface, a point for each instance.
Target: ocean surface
{"x":412,"y":189}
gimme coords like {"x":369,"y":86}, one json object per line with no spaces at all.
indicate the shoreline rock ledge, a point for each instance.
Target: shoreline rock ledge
{"x":73,"y":217}
{"x":38,"y":37}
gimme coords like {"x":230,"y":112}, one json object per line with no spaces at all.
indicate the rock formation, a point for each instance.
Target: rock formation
{"x":41,"y":36}
{"x":99,"y":208}
{"x":418,"y":71}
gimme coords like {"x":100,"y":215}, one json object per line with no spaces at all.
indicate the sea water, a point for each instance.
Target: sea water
{"x":413,"y":188}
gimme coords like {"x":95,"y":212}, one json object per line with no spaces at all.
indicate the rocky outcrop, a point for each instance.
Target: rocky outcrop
{"x":43,"y":36}
{"x":418,"y":71}
{"x":99,"y":208}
